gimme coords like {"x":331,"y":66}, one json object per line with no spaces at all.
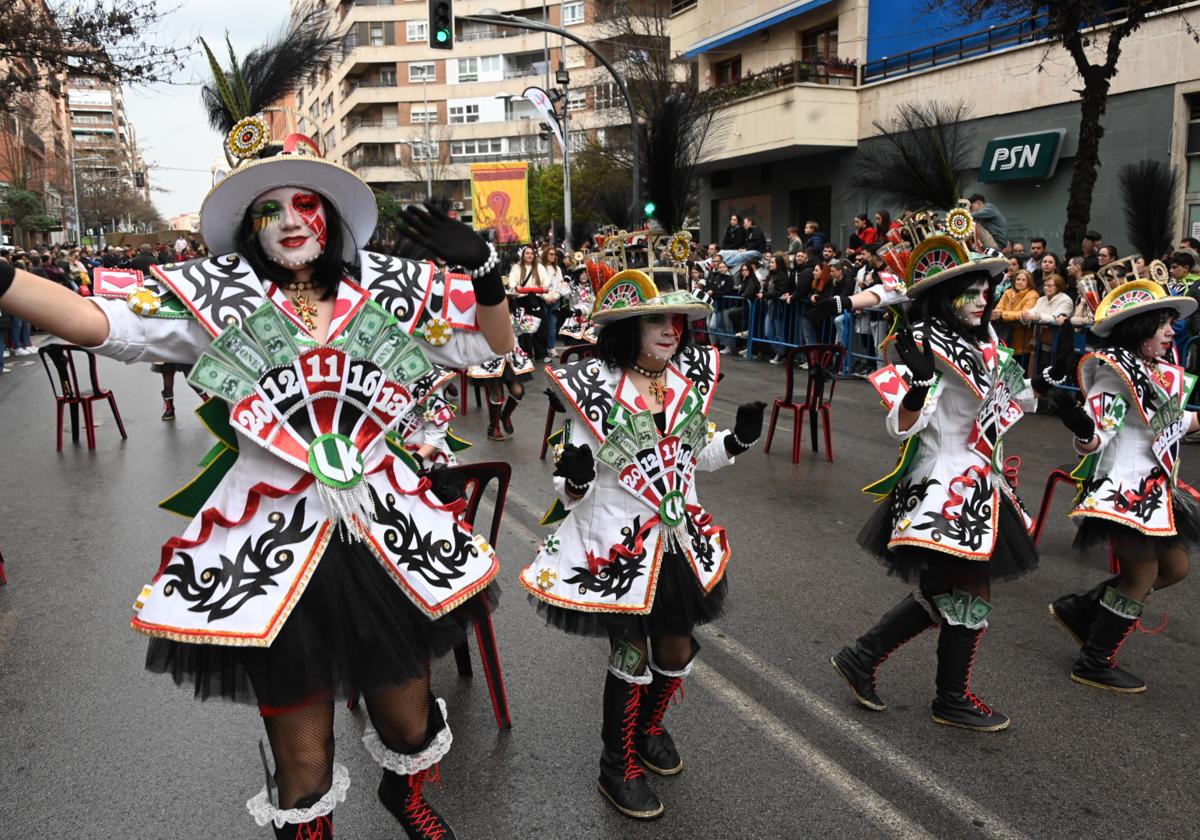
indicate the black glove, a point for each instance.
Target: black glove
{"x":920,"y":365}
{"x":575,"y":464}
{"x":1072,"y":415}
{"x":555,"y":402}
{"x":823,"y":310}
{"x":457,"y":244}
{"x":1063,"y":367}
{"x":446,"y":483}
{"x":747,"y":428}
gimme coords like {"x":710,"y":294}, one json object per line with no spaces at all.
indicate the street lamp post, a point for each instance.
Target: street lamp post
{"x":494,"y":18}
{"x":564,"y":78}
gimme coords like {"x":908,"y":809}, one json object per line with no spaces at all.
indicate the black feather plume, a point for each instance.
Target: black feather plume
{"x":269,"y":73}
{"x":1148,"y":196}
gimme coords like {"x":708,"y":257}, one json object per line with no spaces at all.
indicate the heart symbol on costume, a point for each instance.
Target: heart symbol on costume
{"x":341,"y":308}
{"x":121,"y":280}
{"x":641,"y":403}
{"x":463,"y":299}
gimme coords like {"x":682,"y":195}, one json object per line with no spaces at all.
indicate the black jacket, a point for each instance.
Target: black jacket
{"x":735,"y":238}
{"x":142,"y":262}
{"x":779,"y":283}
{"x":720,"y":283}
{"x":802,"y":281}
{"x":756,"y":241}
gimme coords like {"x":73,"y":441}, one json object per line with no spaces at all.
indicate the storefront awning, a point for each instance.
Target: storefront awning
{"x":789,"y":10}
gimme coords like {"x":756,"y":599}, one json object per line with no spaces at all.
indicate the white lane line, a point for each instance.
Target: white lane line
{"x":956,"y":803}
{"x":823,"y":768}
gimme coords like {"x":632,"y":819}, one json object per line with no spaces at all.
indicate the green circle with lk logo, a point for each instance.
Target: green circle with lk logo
{"x":672,"y":508}
{"x":335,"y":461}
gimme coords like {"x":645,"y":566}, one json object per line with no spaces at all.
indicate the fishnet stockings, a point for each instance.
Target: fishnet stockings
{"x":400,"y":714}
{"x":302,"y":745}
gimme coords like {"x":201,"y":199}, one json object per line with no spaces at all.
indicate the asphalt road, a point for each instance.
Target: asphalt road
{"x":92,"y":746}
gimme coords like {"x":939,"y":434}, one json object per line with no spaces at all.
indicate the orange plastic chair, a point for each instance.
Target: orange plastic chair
{"x":824,"y":361}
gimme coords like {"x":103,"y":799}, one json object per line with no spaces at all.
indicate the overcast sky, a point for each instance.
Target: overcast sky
{"x":171,"y":125}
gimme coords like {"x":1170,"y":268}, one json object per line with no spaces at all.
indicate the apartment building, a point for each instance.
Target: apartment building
{"x":402,"y":115}
{"x":105,"y":141}
{"x":807,"y":81}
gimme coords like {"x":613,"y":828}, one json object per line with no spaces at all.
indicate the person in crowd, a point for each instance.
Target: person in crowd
{"x":509,"y":372}
{"x":1053,"y":307}
{"x":1106,"y":254}
{"x":1091,"y":251}
{"x":1049,"y":264}
{"x":555,"y":289}
{"x":1037,"y":250}
{"x":1190,"y":243}
{"x":1131,"y":505}
{"x":734,"y":238}
{"x":990,"y":217}
{"x":839,"y":284}
{"x":814,"y":237}
{"x":721,"y":288}
{"x":144,"y":259}
{"x":883,"y":226}
{"x":803,"y":265}
{"x":629,"y":567}
{"x":756,"y":240}
{"x":1014,"y":265}
{"x":795,"y":243}
{"x":181,"y":247}
{"x":1017,"y":249}
{"x":1022,"y":297}
{"x":863,"y":234}
{"x":347,"y":550}
{"x":731,"y":311}
{"x":776,"y":293}
{"x":830,"y":252}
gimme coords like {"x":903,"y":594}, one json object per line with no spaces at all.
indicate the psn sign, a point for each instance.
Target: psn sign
{"x":1021,"y":157}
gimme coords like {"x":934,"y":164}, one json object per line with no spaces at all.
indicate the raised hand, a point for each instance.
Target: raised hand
{"x":448,"y":238}
{"x":577,"y":466}
{"x":747,"y":427}
{"x":919,"y":361}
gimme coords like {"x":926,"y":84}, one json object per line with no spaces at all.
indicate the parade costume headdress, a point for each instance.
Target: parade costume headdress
{"x":929,"y":249}
{"x":241,"y":103}
{"x":1134,"y":297}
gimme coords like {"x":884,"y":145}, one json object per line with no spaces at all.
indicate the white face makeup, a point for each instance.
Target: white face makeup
{"x":661,"y":335}
{"x":290,"y":225}
{"x":1157,"y":345}
{"x":969,"y":306}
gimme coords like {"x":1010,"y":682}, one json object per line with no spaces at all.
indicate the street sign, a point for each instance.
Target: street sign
{"x":1021,"y":157}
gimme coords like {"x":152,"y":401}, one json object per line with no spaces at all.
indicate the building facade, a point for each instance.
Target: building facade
{"x":809,"y":80}
{"x":407,"y":118}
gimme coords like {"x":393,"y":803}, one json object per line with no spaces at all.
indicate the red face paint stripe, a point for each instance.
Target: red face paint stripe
{"x":310,"y":209}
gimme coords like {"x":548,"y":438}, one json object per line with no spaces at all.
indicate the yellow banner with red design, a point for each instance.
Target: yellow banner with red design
{"x":500,"y":199}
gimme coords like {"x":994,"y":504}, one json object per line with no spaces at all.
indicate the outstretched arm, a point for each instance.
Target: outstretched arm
{"x":52,"y":307}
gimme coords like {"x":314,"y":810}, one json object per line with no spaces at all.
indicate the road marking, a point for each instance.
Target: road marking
{"x":956,"y":803}
{"x":822,"y":767}
{"x":978,"y":817}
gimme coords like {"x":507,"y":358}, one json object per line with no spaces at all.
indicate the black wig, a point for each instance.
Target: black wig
{"x":619,"y":342}
{"x":938,"y":304}
{"x":328,"y":269}
{"x":1130,"y":333}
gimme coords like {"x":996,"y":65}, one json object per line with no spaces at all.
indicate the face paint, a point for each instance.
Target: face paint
{"x":290,"y":225}
{"x":970,"y":305}
{"x":661,"y":335}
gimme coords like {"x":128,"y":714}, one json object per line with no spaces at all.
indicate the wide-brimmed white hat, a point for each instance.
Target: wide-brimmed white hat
{"x":1135,"y":298}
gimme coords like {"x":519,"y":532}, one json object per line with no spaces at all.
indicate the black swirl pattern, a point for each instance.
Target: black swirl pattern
{"x":222,"y":591}
{"x":702,"y":547}
{"x":970,"y":526}
{"x":223,"y":287}
{"x":966,"y":358}
{"x":696,"y":363}
{"x":907,"y":496}
{"x":395,"y":284}
{"x":584,"y":382}
{"x":615,"y":579}
{"x":439,"y":562}
{"x":1143,"y":502}
{"x":1143,"y":388}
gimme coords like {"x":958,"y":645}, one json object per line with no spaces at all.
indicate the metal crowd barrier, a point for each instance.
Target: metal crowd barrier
{"x":734,"y":315}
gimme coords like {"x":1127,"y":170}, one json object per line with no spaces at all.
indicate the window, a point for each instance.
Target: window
{"x":577,"y":140}
{"x":489,"y":64}
{"x":423,"y":71}
{"x":531,"y":144}
{"x":727,"y":72}
{"x":476,"y":148}
{"x":608,"y":95}
{"x":417,"y":30}
{"x":819,"y":44}
{"x":327,"y":108}
{"x":420,"y":114}
{"x":576,"y":99}
{"x":572,"y":12}
{"x":424,"y":151}
{"x":330,"y":138}
{"x":375,"y":35}
{"x":464,"y":114}
{"x":313,"y":112}
{"x":468,"y":69}
{"x":387,"y":78}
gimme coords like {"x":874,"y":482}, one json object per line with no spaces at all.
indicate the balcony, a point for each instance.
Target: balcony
{"x":768,"y":122}
{"x":374,"y":131}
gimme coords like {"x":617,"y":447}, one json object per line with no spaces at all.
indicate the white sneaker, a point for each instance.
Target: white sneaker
{"x":775,"y":360}
{"x":725,"y":351}
{"x":5,"y":370}
{"x":25,"y":351}
{"x":743,"y":334}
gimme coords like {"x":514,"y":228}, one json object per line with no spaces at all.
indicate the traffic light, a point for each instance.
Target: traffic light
{"x":648,"y":210}
{"x":441,"y":24}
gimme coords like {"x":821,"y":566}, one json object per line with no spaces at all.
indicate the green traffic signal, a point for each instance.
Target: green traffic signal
{"x":442,"y":36}
{"x":649,"y":209}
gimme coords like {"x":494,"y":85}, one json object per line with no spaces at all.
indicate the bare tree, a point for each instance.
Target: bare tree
{"x":1093,"y":33}
{"x":920,"y":157}
{"x":106,"y":39}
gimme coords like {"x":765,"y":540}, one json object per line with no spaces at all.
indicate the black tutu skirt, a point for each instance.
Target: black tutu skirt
{"x":1095,"y":532}
{"x":1014,"y":555}
{"x":352,"y":631}
{"x":680,"y":603}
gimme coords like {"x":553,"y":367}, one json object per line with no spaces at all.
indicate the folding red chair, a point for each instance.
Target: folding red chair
{"x":3,"y":577}
{"x":1059,"y":475}
{"x":478,"y":477}
{"x":571,"y":354}
{"x":67,"y":393}
{"x":824,"y":361}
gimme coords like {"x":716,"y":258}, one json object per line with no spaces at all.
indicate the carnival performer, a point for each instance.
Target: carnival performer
{"x":582,"y":281}
{"x":1129,"y":431}
{"x":317,"y":566}
{"x":950,"y":521}
{"x":636,"y":559}
{"x":425,"y":430}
